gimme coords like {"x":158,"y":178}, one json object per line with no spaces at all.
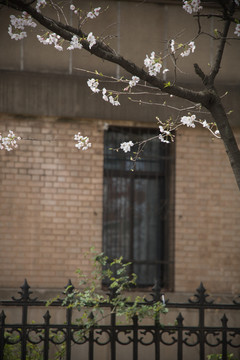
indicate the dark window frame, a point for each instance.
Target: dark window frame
{"x":166,"y":262}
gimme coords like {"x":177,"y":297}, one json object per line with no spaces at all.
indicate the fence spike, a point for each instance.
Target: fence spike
{"x":47,"y":317}
{"x":69,"y":288}
{"x":2,"y":317}
{"x":180,"y":319}
{"x":25,"y":293}
{"x":224,"y":320}
{"x":201,"y":296}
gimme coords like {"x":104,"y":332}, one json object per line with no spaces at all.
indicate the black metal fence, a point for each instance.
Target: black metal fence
{"x":222,"y":337}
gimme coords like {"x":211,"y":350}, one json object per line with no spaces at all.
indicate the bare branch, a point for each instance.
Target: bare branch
{"x":104,"y":51}
{"x":219,"y":55}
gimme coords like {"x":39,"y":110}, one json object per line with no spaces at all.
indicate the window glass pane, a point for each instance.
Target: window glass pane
{"x":135,"y":203}
{"x":116,"y":221}
{"x":148,"y":227}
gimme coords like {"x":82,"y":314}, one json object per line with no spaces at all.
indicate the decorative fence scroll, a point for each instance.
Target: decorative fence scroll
{"x":134,"y":334}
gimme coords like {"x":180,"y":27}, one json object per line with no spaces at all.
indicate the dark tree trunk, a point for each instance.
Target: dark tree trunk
{"x":219,"y":115}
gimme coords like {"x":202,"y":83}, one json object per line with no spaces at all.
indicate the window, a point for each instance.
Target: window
{"x":136,"y":205}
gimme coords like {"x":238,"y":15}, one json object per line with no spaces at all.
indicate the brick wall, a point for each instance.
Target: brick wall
{"x":207,"y":214}
{"x":51,"y":206}
{"x":51,"y":201}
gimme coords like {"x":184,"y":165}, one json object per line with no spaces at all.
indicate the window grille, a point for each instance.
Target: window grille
{"x":136,"y":204}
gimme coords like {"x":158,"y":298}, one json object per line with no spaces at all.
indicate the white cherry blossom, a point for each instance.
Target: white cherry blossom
{"x":9,"y":142}
{"x":82,"y":142}
{"x":154,"y":65}
{"x":162,"y":139}
{"x":40,"y":3}
{"x":93,"y":14}
{"x":91,"y":39}
{"x":74,"y":44}
{"x":49,"y":39}
{"x":188,"y":120}
{"x":134,"y":81}
{"x":190,"y":47}
{"x":191,"y":6}
{"x":237,"y":30}
{"x":205,"y":124}
{"x":126,"y":146}
{"x":172,"y":46}
{"x":113,"y":101}
{"x":18,"y":23}
{"x":106,"y":94}
{"x":93,"y":84}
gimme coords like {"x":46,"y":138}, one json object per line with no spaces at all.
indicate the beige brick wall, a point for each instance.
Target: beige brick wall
{"x":51,"y":201}
{"x":207,"y":215}
{"x":51,"y":206}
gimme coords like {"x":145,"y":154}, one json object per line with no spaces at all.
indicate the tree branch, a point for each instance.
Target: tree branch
{"x":219,"y":55}
{"x":201,"y":74}
{"x":105,"y":52}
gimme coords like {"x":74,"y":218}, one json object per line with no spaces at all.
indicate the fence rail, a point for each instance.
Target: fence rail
{"x":44,"y":334}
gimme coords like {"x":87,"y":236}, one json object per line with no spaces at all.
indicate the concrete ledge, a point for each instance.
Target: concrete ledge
{"x":49,"y":94}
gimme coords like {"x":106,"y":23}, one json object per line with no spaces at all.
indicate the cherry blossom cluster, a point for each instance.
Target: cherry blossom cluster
{"x":164,"y":135}
{"x":126,"y":146}
{"x":18,"y":23}
{"x":9,"y":142}
{"x":74,"y":44}
{"x":106,"y":94}
{"x":190,"y":121}
{"x":91,"y":39}
{"x":237,"y":30}
{"x":82,"y":142}
{"x":172,"y":46}
{"x":192,"y":6}
{"x":93,"y":84}
{"x":51,"y":38}
{"x":153,"y":64}
{"x":167,"y":128}
{"x":40,"y":3}
{"x":91,"y":14}
{"x":134,"y":81}
{"x":190,"y":47}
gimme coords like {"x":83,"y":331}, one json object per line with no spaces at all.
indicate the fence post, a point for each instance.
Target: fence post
{"x":224,"y":321}
{"x":113,"y":336}
{"x":25,"y":297}
{"x":91,"y":340}
{"x":201,"y":304}
{"x":135,"y":337}
{"x":24,"y":300}
{"x":46,"y":335}
{"x":2,"y":342}
{"x":157,"y":338}
{"x":69,"y":288}
{"x":112,"y":294}
{"x":157,"y":296}
{"x":180,"y":336}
